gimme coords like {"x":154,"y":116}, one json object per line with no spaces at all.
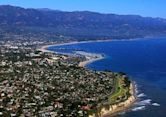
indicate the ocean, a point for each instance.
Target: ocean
{"x":143,"y":60}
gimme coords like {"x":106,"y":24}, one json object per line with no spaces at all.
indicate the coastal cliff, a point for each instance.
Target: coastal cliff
{"x":112,"y":109}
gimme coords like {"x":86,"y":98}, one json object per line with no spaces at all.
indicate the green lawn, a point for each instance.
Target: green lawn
{"x":119,"y":91}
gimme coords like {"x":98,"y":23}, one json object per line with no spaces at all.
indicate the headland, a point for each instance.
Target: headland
{"x":108,"y":108}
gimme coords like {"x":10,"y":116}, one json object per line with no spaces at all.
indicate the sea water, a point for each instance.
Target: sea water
{"x":143,"y":60}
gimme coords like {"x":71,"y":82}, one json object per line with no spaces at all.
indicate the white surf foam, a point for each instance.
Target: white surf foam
{"x":121,"y":113}
{"x":144,"y":102}
{"x":138,"y":108}
{"x":156,"y":104}
{"x":136,"y":88}
{"x":141,"y":95}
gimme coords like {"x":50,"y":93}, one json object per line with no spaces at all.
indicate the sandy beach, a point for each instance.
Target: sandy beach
{"x":45,"y":47}
{"x":90,"y":57}
{"x":84,"y":63}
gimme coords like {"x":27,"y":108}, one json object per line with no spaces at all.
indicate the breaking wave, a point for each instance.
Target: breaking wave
{"x":144,"y":102}
{"x":138,"y":108}
{"x":156,"y":104}
{"x":141,"y":95}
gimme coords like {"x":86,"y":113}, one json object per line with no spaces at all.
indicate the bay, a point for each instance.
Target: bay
{"x":143,"y":60}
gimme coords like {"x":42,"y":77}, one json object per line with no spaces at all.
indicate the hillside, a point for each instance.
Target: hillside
{"x":84,"y":24}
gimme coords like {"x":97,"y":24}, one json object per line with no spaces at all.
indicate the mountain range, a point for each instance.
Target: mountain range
{"x":78,"y":24}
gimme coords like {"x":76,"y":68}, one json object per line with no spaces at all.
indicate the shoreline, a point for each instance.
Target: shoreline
{"x":123,"y":106}
{"x":92,"y":57}
{"x":119,"y":107}
{"x":44,"y":48}
{"x":116,"y":108}
{"x":86,"y":62}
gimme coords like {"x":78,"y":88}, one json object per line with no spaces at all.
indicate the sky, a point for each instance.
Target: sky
{"x":150,"y":8}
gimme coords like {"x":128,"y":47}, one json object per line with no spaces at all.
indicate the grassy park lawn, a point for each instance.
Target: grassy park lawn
{"x":120,"y":91}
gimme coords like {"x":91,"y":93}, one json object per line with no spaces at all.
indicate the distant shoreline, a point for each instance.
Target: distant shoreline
{"x":84,"y":63}
{"x":91,"y":59}
{"x":44,"y":48}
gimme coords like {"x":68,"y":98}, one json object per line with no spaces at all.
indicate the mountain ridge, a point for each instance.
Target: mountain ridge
{"x":82,"y":23}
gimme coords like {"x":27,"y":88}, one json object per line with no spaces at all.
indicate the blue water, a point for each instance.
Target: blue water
{"x":144,"y":60}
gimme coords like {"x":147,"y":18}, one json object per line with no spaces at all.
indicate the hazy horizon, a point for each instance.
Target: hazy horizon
{"x":143,"y":8}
